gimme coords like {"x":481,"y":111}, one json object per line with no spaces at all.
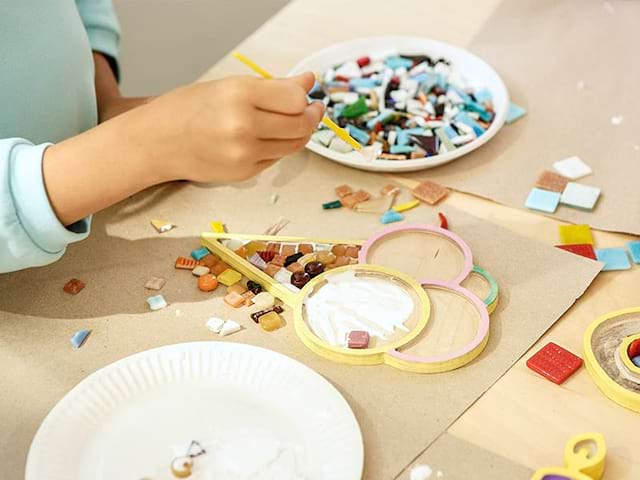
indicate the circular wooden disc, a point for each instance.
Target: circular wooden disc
{"x":424,"y":252}
{"x":602,"y":342}
{"x":375,"y":353}
{"x":457,"y":332}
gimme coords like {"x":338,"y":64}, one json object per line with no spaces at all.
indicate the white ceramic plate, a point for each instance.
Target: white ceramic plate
{"x":476,"y":71}
{"x":247,"y":406}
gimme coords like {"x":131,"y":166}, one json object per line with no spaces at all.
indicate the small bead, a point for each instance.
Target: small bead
{"x":314,"y":268}
{"x":300,"y":279}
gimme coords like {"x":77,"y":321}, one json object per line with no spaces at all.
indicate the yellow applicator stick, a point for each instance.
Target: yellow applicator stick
{"x":340,"y":132}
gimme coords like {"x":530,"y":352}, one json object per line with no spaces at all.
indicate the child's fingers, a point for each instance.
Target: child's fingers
{"x":305,"y":80}
{"x":277,"y":126}
{"x":270,"y":149}
{"x":286,"y":95}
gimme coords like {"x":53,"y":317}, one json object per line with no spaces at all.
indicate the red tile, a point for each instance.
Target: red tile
{"x":583,"y":249}
{"x":554,"y":363}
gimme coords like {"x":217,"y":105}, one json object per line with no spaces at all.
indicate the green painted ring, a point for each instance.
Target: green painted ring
{"x":493,"y":285}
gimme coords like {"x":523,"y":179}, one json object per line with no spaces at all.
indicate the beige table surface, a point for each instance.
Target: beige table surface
{"x":522,"y":419}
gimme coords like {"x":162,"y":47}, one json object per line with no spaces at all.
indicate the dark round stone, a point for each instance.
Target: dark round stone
{"x":300,"y":279}
{"x":314,"y":269}
{"x":254,"y":287}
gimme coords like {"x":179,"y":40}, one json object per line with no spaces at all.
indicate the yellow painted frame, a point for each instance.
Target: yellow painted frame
{"x":577,"y":464}
{"x":210,"y":240}
{"x":368,"y":356}
{"x":610,"y":388}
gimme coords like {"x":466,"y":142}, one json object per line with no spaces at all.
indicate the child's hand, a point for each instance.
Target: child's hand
{"x":221,"y":131}
{"x":230,"y":129}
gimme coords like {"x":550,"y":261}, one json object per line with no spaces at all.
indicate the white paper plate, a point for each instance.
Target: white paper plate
{"x":476,"y":71}
{"x":244,"y":404}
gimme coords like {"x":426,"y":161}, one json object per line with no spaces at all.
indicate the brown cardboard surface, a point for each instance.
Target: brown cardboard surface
{"x":456,"y":459}
{"x":399,"y":413}
{"x":543,"y":49}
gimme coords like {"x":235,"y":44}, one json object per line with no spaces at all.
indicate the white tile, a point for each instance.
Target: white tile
{"x":230,"y":327}
{"x":200,"y":270}
{"x":580,"y":196}
{"x":572,"y":167}
{"x":215,"y":324}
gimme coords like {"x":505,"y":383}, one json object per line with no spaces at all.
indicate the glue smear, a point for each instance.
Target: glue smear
{"x":349,"y":302}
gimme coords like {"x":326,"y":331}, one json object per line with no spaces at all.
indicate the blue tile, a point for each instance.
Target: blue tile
{"x":358,"y":134}
{"x":200,"y":253}
{"x":613,"y":258}
{"x":391,"y":216}
{"x":515,"y":112}
{"x":542,"y":200}
{"x":483,"y":96}
{"x":636,"y":361}
{"x":79,"y":338}
{"x":634,"y":249}
{"x":467,"y":120}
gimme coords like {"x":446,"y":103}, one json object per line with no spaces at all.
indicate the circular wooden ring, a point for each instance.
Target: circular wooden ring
{"x":454,"y":359}
{"x":365,"y":356}
{"x":418,"y":227}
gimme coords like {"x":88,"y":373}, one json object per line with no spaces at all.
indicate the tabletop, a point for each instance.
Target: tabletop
{"x":522,"y":418}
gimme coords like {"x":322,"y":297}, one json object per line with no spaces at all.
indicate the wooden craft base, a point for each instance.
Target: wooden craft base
{"x":606,"y":359}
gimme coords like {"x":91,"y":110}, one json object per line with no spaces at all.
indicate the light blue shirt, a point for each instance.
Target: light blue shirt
{"x":47,"y":94}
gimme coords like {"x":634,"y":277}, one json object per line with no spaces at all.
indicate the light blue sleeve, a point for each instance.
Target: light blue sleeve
{"x":30,"y":233}
{"x":101,"y":24}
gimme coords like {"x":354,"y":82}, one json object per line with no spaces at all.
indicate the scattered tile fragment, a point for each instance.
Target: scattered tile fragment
{"x":234,"y":299}
{"x":207,"y":283}
{"x":542,"y":200}
{"x":200,"y":270}
{"x":219,"y":267}
{"x":391,"y":216}
{"x":162,"y":226}
{"x":613,"y":259}
{"x":255,"y":316}
{"x":270,"y":321}
{"x":73,"y":286}
{"x":575,"y":234}
{"x":217,"y":226}
{"x":554,"y":363}
{"x":580,"y":196}
{"x":273,"y":199}
{"x":357,"y":339}
{"x":582,"y":249}
{"x":389,"y":189}
{"x":239,"y":288}
{"x":343,"y":190}
{"x":420,"y":472}
{"x":403,"y":207}
{"x":155,"y":283}
{"x":264,"y":300}
{"x":331,"y":205}
{"x":229,"y":277}
{"x":430,"y":192}
{"x":515,"y":112}
{"x":444,"y":223}
{"x":156,"y":302}
{"x":185,"y":263}
{"x":573,"y":168}
{"x":215,"y":324}
{"x":634,"y":250}
{"x":551,"y":181}
{"x":199,"y":253}
{"x":230,"y":327}
{"x":78,"y":338}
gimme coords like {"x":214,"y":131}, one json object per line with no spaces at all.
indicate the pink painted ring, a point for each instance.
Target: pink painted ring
{"x":483,"y":328}
{"x":419,"y":227}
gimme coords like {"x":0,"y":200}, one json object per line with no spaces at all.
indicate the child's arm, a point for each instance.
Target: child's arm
{"x":221,"y":131}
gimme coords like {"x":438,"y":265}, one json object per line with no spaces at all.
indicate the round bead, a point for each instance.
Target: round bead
{"x":300,"y":279}
{"x":314,"y":269}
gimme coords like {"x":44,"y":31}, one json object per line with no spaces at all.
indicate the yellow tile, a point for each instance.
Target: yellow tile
{"x":575,"y":234}
{"x":229,"y":277}
{"x":217,"y":227}
{"x":270,"y":321}
{"x":403,"y":207}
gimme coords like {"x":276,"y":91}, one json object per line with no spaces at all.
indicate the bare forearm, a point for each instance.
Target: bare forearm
{"x":110,"y":102}
{"x":96,"y":169}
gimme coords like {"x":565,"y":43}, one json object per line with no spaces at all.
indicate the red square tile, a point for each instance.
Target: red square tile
{"x":554,"y":363}
{"x":583,"y":249}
